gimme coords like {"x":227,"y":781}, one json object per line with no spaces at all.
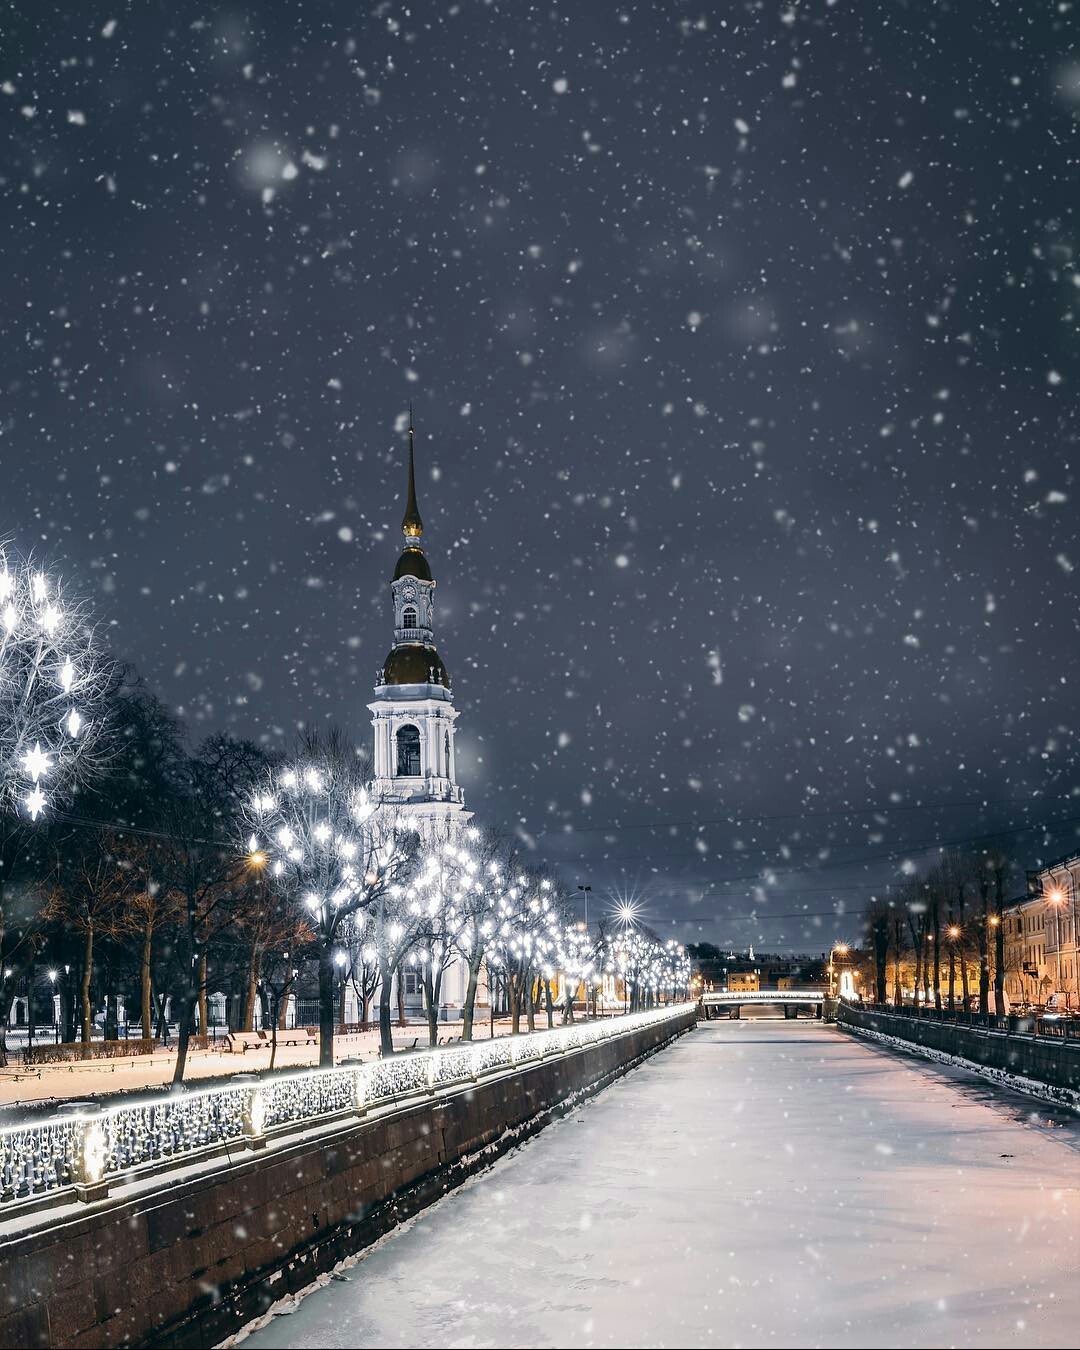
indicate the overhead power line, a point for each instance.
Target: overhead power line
{"x":898,"y":851}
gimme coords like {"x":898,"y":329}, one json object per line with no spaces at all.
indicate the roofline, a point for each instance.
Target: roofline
{"x":1069,"y":860}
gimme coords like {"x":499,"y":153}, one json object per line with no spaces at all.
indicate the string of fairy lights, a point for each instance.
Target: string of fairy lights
{"x":53,"y":687}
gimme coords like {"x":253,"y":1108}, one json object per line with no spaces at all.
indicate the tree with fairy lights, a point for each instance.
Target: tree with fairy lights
{"x":56,"y":688}
{"x":393,"y":926}
{"x":528,"y":922}
{"x":446,"y":881}
{"x":337,"y":855}
{"x":577,"y":961}
{"x":497,"y":861}
{"x":359,"y":966}
{"x":643,"y":963}
{"x":675,"y":971}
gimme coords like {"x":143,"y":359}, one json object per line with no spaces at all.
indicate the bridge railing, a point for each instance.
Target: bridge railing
{"x":85,"y":1150}
{"x":765,"y":996}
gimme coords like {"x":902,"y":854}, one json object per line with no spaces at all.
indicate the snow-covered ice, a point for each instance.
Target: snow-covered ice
{"x":758,"y":1183}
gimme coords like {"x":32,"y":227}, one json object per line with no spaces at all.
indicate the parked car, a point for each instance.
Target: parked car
{"x":1058,"y":1014}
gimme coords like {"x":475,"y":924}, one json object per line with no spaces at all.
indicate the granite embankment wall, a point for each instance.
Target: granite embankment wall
{"x":1045,"y":1064}
{"x":186,"y":1257}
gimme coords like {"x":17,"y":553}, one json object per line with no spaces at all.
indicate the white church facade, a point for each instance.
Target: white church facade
{"x":413,"y":713}
{"x":413,"y":721}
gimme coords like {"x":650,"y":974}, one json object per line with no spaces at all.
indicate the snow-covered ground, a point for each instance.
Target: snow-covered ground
{"x":43,"y":1083}
{"x":760,"y":1183}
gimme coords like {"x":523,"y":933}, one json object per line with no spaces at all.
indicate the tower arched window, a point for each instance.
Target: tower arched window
{"x":408,"y":617}
{"x":448,"y":755}
{"x":408,"y":752}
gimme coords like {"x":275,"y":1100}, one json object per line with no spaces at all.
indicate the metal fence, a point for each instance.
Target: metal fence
{"x":86,"y":1150}
{"x":1050,"y":1026}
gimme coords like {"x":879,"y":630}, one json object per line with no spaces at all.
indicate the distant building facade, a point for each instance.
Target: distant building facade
{"x":1026,"y":977}
{"x":744,"y":981}
{"x":1042,"y":959}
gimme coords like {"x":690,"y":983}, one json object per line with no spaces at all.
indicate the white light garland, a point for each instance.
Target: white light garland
{"x":54,"y":682}
{"x":44,"y":1157}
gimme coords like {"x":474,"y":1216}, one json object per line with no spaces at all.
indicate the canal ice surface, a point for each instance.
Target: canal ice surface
{"x":759,"y":1183}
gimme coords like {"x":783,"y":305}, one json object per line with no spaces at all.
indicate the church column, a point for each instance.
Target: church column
{"x":431,"y":750}
{"x":439,"y":735}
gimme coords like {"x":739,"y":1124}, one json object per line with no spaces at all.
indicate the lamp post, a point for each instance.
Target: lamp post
{"x":1075,"y":935}
{"x":837,"y":949}
{"x":30,"y":1011}
{"x":340,"y":960}
{"x":1057,"y":897}
{"x":953,"y":932}
{"x":995,"y":923}
{"x":831,"y":1001}
{"x":1057,"y":900}
{"x":56,"y":1021}
{"x":585,"y":896}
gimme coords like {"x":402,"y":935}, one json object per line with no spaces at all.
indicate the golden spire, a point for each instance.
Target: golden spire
{"x":412,"y":527}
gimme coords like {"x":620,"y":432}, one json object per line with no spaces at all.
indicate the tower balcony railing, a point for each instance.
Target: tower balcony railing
{"x":414,"y":634}
{"x":418,"y":789}
{"x":81,"y":1154}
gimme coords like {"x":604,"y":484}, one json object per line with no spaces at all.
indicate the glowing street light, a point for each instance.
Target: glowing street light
{"x":1059,"y":898}
{"x":837,"y":949}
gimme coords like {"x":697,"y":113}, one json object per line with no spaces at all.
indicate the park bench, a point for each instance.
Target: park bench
{"x":243,"y":1041}
{"x":298,"y":1036}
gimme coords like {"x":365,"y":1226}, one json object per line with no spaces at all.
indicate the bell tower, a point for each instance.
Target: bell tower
{"x":413,"y":713}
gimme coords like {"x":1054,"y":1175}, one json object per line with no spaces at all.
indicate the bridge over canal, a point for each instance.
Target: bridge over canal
{"x":792,"y":1001}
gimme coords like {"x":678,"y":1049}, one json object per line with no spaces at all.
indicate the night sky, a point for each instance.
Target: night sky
{"x":742,"y":341}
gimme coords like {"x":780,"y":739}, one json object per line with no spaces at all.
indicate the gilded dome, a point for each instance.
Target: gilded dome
{"x":412,"y":563}
{"x":415,"y":664}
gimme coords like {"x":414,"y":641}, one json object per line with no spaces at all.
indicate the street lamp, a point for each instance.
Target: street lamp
{"x":340,"y":960}
{"x":53,"y":974}
{"x":952,"y":933}
{"x":1058,"y":897}
{"x":585,"y":896}
{"x":837,"y":949}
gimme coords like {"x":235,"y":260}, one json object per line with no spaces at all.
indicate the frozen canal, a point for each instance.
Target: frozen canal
{"x":760,"y":1183}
